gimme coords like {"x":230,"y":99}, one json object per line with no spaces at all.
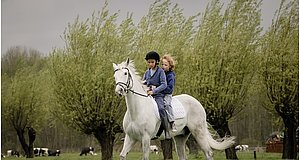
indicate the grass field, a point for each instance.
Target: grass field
{"x":138,"y":156}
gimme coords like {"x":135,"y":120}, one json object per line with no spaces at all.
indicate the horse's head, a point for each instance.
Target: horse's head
{"x":123,"y":78}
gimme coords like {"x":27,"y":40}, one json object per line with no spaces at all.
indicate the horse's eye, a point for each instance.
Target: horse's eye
{"x":125,"y":73}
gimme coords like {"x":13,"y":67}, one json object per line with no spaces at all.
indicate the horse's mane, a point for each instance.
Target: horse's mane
{"x":132,"y":69}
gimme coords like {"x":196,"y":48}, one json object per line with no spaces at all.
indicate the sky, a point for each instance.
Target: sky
{"x":39,"y":24}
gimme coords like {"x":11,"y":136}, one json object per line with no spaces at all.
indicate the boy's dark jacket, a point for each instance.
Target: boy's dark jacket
{"x":158,"y":79}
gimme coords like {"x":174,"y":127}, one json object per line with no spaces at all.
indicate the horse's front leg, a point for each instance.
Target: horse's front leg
{"x":146,"y":146}
{"x":128,"y":143}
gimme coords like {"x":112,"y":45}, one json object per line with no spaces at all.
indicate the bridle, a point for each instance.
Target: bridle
{"x":129,"y":83}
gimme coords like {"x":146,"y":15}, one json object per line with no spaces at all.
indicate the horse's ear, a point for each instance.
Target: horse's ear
{"x":115,"y":66}
{"x":127,"y":62}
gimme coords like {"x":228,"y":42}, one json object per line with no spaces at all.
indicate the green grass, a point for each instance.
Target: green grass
{"x":138,"y":156}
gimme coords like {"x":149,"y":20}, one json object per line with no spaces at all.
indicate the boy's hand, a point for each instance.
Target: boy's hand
{"x":150,"y":92}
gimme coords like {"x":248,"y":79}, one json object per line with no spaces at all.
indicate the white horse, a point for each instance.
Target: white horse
{"x":141,"y":124}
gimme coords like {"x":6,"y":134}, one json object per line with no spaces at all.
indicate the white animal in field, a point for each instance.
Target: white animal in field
{"x":13,"y":152}
{"x":245,"y":147}
{"x":140,"y":122}
{"x":154,"y":149}
{"x":242,"y":147}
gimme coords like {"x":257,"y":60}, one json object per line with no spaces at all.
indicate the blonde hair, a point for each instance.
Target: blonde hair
{"x":171,"y":61}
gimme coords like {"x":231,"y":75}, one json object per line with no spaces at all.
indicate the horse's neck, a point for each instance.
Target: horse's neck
{"x":137,"y":104}
{"x":137,"y":86}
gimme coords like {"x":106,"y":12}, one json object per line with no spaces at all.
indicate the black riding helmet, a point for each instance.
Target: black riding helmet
{"x":152,"y":55}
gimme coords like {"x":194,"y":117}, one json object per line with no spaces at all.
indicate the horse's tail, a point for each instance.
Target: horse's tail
{"x":221,"y":144}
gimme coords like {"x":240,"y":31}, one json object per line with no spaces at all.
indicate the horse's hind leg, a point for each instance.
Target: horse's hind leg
{"x":180,"y":141}
{"x":203,"y":143}
{"x":128,"y":143}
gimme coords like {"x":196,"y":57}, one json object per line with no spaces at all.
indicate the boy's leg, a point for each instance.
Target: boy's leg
{"x":169,"y":110}
{"x":170,"y":114}
{"x":168,"y":107}
{"x":161,"y":108}
{"x":163,"y":116}
{"x":171,"y":118}
{"x":159,"y":132}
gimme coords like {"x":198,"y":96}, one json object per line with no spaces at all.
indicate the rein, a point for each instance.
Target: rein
{"x":129,"y":84}
{"x":138,"y":93}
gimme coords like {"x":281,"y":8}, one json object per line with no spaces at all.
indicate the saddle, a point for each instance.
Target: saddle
{"x":177,"y":107}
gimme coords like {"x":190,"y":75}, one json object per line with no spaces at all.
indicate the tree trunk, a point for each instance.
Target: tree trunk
{"x":230,"y":153}
{"x":289,"y":140}
{"x":20,"y":133}
{"x":224,"y":131}
{"x":166,"y":146}
{"x":31,"y":135}
{"x":106,"y":140}
{"x":192,"y":145}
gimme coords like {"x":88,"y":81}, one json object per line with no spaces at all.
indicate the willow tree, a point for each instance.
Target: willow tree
{"x":83,"y":76}
{"x":22,"y":94}
{"x":221,"y":62}
{"x":281,"y":71}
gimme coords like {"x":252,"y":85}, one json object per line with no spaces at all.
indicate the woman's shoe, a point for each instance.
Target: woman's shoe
{"x":174,"y":129}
